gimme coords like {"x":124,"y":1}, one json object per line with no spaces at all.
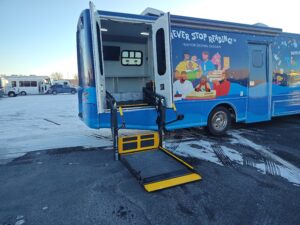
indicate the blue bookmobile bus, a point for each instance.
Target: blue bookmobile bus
{"x":157,"y":71}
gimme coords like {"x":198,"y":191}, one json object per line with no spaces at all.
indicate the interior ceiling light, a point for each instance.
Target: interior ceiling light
{"x":104,"y":29}
{"x":145,"y":33}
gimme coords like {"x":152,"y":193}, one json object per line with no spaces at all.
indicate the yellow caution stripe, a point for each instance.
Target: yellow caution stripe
{"x":121,"y":111}
{"x":175,"y":157}
{"x":155,"y":186}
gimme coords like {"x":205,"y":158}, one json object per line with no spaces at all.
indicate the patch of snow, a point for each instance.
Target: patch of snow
{"x":25,"y":127}
{"x":261,"y":167}
{"x":233,"y":155}
{"x":195,"y":149}
{"x":286,"y":169}
{"x":19,"y":217}
{"x":20,"y":222}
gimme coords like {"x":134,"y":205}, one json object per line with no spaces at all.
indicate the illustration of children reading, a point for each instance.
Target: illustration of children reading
{"x":206,"y":64}
{"x":221,"y":87}
{"x":216,"y":60}
{"x":182,"y":86}
{"x":190,"y":66}
{"x":203,"y":85}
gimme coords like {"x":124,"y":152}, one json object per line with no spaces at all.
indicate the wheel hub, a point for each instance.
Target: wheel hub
{"x":220,"y":121}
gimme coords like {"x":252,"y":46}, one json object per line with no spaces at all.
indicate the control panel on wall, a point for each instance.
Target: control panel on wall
{"x":132,"y":58}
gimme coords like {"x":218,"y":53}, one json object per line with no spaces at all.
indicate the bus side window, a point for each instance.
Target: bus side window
{"x":160,"y":51}
{"x":14,"y":84}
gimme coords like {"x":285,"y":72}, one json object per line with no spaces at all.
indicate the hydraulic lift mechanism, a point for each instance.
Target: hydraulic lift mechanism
{"x":155,"y":167}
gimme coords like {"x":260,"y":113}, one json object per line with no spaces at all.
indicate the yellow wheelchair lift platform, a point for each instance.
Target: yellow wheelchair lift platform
{"x":155,"y":167}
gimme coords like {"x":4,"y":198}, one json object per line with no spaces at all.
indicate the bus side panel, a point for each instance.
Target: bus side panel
{"x":87,"y":91}
{"x":143,"y":118}
{"x":286,"y":75}
{"x":209,"y":68}
{"x":196,"y":112}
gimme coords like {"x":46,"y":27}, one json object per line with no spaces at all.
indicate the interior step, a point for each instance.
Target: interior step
{"x":132,"y":104}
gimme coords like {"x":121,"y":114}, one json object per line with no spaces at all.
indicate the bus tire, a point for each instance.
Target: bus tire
{"x":219,"y":121}
{"x":11,"y":94}
{"x":23,"y":93}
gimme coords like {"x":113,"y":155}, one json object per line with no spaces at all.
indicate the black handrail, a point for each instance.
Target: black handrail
{"x":112,"y":105}
{"x":158,"y":101}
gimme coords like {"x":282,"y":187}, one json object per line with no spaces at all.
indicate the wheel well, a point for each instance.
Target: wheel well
{"x":230,"y":109}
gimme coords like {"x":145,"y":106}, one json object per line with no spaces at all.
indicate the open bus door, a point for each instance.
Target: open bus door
{"x":98,"y":63}
{"x":162,"y":58}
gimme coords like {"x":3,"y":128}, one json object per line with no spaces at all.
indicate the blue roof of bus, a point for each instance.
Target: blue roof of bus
{"x":188,"y":20}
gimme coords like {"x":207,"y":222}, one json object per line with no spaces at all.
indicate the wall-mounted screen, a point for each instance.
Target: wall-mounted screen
{"x":111,"y":53}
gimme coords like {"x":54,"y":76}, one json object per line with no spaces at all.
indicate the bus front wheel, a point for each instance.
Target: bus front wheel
{"x":219,"y":121}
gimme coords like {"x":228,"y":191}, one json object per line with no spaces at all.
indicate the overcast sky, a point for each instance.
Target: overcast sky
{"x":38,"y":36}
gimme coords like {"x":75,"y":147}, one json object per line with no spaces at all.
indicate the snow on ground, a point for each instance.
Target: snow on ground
{"x":30,"y":123}
{"x":216,"y":152}
{"x":279,"y":166}
{"x":38,"y":122}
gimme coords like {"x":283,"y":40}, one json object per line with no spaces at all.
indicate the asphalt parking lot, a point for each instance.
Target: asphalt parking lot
{"x":250,"y":176}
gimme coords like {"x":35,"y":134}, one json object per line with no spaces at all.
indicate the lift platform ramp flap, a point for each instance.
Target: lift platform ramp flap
{"x":155,"y":167}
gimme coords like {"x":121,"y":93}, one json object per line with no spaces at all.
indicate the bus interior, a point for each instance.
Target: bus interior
{"x":128,"y":60}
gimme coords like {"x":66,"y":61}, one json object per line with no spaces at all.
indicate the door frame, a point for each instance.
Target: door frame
{"x":97,"y":52}
{"x":268,"y":74}
{"x":163,"y":82}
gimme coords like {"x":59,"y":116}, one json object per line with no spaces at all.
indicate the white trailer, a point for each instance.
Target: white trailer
{"x":22,"y":85}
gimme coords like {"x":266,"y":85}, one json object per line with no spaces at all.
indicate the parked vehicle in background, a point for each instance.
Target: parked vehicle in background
{"x":61,"y":82}
{"x":59,"y":88}
{"x":22,"y":85}
{"x":1,"y":88}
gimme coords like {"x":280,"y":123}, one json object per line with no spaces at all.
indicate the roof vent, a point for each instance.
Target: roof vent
{"x":152,"y":12}
{"x":260,"y":25}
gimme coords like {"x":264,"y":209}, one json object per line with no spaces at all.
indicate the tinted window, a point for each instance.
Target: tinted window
{"x":26,"y":83}
{"x":14,"y":83}
{"x":21,"y":83}
{"x":160,"y":51}
{"x":33,"y":84}
{"x":257,"y":58}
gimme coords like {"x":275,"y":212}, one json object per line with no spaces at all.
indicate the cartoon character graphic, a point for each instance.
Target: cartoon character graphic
{"x":222,"y":86}
{"x":182,"y":86}
{"x":280,"y":78}
{"x":190,"y":66}
{"x":206,"y":64}
{"x":216,"y":60}
{"x":203,"y":85}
